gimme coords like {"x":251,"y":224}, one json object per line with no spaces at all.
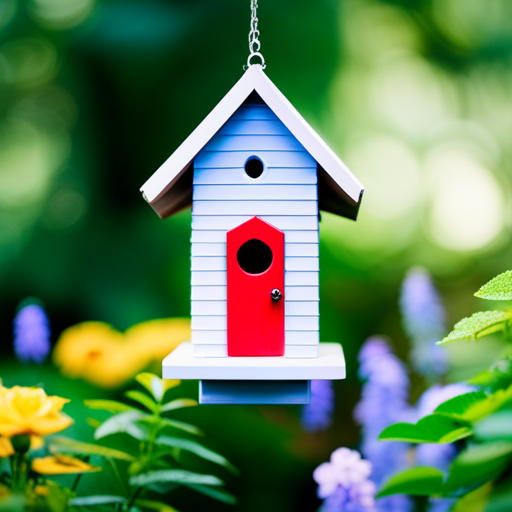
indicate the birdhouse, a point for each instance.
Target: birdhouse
{"x":256,"y":175}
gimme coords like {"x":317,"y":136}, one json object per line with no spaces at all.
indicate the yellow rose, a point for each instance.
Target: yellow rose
{"x":30,"y":411}
{"x":60,"y":465}
{"x":96,"y":352}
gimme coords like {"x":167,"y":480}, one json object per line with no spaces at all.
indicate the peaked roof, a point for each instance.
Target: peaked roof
{"x":170,"y":188}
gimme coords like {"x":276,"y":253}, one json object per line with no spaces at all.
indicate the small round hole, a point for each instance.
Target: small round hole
{"x":254,"y":167}
{"x":254,"y":256}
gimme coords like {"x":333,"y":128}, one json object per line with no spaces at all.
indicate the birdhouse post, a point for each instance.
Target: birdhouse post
{"x":256,"y":175}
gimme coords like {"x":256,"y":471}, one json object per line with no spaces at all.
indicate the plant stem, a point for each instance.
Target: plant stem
{"x":75,"y":483}
{"x":135,"y":495}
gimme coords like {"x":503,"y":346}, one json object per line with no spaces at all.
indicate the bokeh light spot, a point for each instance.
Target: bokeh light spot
{"x":467,"y":211}
{"x":60,"y":14}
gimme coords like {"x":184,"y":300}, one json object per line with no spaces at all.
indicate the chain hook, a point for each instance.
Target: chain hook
{"x":254,"y":42}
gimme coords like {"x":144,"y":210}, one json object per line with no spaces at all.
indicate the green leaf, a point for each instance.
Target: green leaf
{"x":118,"y":423}
{"x":180,"y":425}
{"x":64,"y":444}
{"x":458,"y":406}
{"x":180,"y":476}
{"x":474,"y":501}
{"x":91,"y":501}
{"x":489,"y":405}
{"x":416,"y":481}
{"x":177,"y":404}
{"x":478,"y":325}
{"x":197,"y":449}
{"x":479,"y":464}
{"x":108,"y":405}
{"x":434,"y":428}
{"x":155,"y":505}
{"x":215,"y":493}
{"x":495,"y":427}
{"x":143,"y":399}
{"x":155,"y":385}
{"x":499,"y":288}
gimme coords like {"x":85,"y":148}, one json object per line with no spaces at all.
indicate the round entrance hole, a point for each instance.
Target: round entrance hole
{"x":254,"y":167}
{"x":254,"y":256}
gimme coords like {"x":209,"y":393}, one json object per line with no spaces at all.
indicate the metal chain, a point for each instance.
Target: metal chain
{"x":254,"y":42}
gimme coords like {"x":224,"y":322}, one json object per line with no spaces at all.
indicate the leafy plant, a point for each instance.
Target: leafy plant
{"x":479,"y":422}
{"x":156,"y":468}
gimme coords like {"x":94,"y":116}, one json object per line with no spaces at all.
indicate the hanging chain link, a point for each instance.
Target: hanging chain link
{"x":254,"y":42}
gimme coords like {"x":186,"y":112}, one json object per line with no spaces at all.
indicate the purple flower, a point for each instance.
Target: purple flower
{"x":424,"y":321}
{"x":31,"y":331}
{"x":384,"y":401}
{"x":343,"y":483}
{"x":317,"y":415}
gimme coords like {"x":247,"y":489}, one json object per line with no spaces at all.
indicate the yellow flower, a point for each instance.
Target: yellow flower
{"x":30,"y":411}
{"x":60,"y":465}
{"x":96,"y":352}
{"x":6,"y":448}
{"x":42,"y":490}
{"x":157,"y":338}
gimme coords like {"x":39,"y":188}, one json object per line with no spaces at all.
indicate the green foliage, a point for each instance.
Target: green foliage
{"x":478,"y":325}
{"x":481,"y":420}
{"x":156,"y":468}
{"x":64,"y":444}
{"x":434,"y":428}
{"x":499,"y":288}
{"x":417,"y":481}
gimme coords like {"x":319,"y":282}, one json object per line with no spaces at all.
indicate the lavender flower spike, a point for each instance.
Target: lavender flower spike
{"x":384,"y":401}
{"x":31,"y":330}
{"x":424,"y":321}
{"x":317,"y":415}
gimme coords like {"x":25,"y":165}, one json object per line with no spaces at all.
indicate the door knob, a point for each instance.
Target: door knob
{"x":276,"y":295}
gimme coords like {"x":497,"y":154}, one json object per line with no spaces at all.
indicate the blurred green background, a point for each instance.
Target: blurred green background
{"x":413,"y":95}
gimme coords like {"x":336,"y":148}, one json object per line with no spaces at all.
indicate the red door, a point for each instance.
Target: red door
{"x":255,"y":267}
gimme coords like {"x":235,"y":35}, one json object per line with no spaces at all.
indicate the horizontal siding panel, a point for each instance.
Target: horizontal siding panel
{"x":238,"y":176}
{"x":221,"y":337}
{"x":209,"y":278}
{"x":292,"y":278}
{"x":254,"y":112}
{"x":295,"y":351}
{"x":219,"y":308}
{"x":282,"y":222}
{"x":292,"y":293}
{"x":219,"y":236}
{"x":219,"y":278}
{"x":302,"y":293}
{"x":300,"y":323}
{"x":208,"y":263}
{"x":300,"y":250}
{"x":254,"y":191}
{"x":209,"y":249}
{"x":209,"y":293}
{"x":210,"y":307}
{"x":237,"y":159}
{"x":210,"y":323}
{"x":226,"y":143}
{"x":301,"y":308}
{"x":292,"y":250}
{"x":301,"y":264}
{"x":259,"y":208}
{"x":254,"y":127}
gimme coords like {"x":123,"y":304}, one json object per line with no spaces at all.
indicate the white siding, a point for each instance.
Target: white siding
{"x":224,"y":197}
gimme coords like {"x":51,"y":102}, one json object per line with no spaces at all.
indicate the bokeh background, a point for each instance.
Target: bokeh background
{"x":414,"y":96}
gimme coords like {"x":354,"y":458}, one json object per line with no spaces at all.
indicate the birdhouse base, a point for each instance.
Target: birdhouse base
{"x":230,"y":392}
{"x":254,"y":380}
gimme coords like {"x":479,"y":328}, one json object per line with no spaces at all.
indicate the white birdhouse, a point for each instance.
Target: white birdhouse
{"x":256,"y":175}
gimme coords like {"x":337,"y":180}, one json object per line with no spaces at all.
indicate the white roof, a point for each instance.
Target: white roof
{"x":169,"y":189}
